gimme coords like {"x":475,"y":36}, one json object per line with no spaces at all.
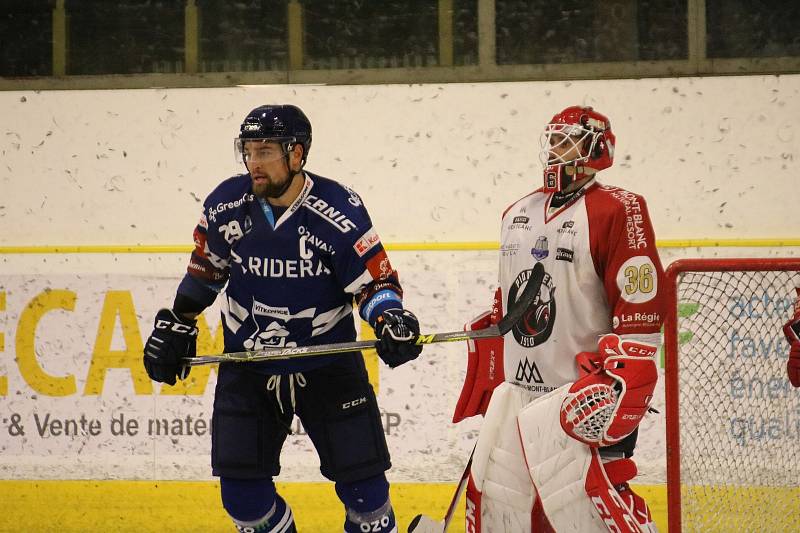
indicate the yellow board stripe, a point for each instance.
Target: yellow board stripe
{"x":400,"y":246}
{"x":141,"y":506}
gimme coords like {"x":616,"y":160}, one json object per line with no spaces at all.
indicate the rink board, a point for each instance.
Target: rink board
{"x":78,"y":405}
{"x":142,"y":506}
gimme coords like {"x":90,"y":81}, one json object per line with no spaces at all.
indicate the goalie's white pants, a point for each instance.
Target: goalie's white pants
{"x":522,"y":451}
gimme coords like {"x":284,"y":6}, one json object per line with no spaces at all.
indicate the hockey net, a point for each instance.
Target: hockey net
{"x":733,"y":418}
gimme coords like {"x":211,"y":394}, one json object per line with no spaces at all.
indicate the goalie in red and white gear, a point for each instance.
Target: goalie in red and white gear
{"x":563,"y":393}
{"x":792,"y":331}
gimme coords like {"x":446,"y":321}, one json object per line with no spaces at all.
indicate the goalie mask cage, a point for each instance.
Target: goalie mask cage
{"x":733,"y":417}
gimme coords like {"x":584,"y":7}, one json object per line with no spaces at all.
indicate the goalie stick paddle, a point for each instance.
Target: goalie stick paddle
{"x":425,"y":524}
{"x":514,"y":314}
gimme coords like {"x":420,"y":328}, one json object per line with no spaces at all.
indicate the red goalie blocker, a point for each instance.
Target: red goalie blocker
{"x":613,"y":393}
{"x":484,"y":366}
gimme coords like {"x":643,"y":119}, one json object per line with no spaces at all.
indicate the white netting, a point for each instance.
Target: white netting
{"x":589,"y":411}
{"x":739,"y":415}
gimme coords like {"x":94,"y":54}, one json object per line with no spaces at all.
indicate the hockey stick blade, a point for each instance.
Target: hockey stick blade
{"x":425,"y":524}
{"x":515,"y":312}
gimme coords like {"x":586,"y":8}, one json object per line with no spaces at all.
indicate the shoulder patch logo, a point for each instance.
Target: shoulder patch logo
{"x":379,"y":266}
{"x":366,"y":242}
{"x":354,"y":199}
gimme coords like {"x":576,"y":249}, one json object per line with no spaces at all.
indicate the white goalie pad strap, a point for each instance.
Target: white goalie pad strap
{"x":498,"y":469}
{"x":558,"y":465}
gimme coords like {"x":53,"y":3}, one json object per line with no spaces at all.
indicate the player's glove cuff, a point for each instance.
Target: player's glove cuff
{"x":397,"y":331}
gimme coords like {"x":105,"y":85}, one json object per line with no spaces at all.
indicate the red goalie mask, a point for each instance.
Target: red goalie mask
{"x":579,"y":139}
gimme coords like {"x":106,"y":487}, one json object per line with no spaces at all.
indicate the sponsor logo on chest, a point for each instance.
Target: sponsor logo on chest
{"x":274,"y":267}
{"x":329,"y":213}
{"x":564,"y":254}
{"x":509,"y":250}
{"x":528,"y":372}
{"x":221,"y":207}
{"x":309,"y":239}
{"x":567,"y":228}
{"x":520,"y":222}
{"x":540,"y":250}
{"x":536,"y":325}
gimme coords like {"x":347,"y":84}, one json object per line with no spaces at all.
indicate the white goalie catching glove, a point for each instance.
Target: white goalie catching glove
{"x":613,"y":393}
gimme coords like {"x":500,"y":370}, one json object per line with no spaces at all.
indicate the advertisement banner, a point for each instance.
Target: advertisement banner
{"x":78,"y":404}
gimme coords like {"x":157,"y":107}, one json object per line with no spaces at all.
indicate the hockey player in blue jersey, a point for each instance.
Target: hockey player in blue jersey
{"x":289,"y":252}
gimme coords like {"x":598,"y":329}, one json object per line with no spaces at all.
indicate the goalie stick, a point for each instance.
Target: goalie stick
{"x":503,"y":326}
{"x":425,"y":524}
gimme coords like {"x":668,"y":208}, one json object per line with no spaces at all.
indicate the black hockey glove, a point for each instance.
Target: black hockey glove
{"x":396,"y":331}
{"x":173,"y":338}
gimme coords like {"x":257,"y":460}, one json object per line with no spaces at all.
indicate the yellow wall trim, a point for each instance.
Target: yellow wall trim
{"x":400,"y":246}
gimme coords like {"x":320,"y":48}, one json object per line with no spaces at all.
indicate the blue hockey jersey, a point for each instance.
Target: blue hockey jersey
{"x":290,"y":280}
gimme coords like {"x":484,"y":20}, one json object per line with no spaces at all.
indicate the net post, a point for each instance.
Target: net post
{"x":672,"y":399}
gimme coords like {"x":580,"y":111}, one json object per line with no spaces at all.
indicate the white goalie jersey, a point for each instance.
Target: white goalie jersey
{"x":602,"y":276}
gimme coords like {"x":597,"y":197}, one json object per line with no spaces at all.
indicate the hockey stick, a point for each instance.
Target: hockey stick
{"x":514,"y":314}
{"x":425,"y":524}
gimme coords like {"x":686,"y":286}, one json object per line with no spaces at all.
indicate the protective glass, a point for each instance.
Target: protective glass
{"x":563,"y":143}
{"x":263,"y":150}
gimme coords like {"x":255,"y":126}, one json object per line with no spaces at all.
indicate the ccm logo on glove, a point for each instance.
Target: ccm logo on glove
{"x":176,"y":327}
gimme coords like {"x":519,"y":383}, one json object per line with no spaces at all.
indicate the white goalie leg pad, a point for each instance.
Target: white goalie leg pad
{"x":505,"y":495}
{"x":558,"y":465}
{"x":574,"y":490}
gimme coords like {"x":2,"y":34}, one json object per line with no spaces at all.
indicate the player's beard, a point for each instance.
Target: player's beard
{"x":269,"y":186}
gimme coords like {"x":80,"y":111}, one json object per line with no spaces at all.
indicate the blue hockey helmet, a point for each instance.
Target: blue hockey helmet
{"x":284,"y":124}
